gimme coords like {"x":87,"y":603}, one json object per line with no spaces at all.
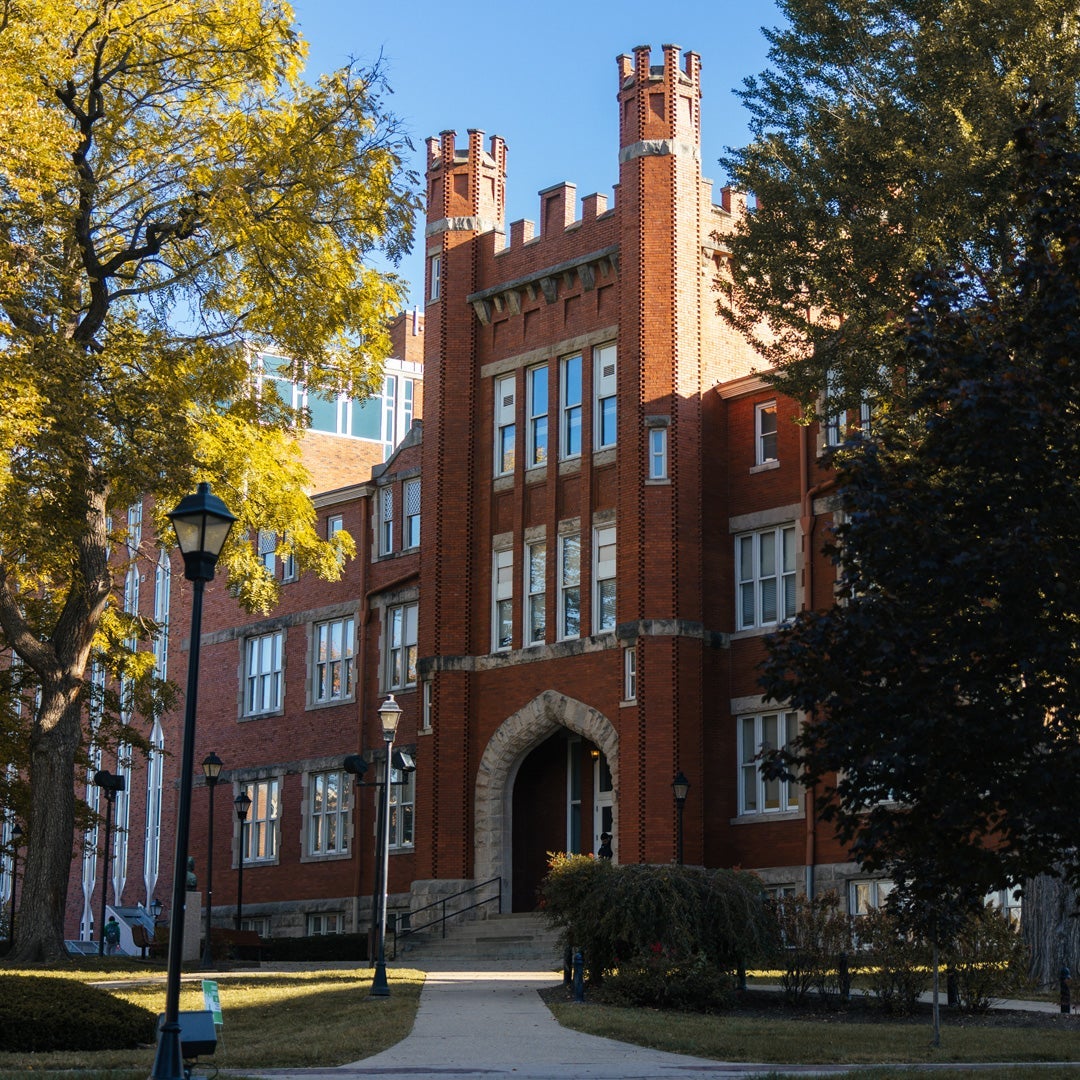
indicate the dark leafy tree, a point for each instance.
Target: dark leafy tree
{"x":944,"y":685}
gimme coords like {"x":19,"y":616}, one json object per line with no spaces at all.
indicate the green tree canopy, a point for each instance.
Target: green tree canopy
{"x":943,"y":686}
{"x":172,"y":197}
{"x":882,"y":139}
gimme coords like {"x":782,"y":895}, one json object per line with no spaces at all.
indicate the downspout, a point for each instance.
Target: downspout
{"x":808,"y":523}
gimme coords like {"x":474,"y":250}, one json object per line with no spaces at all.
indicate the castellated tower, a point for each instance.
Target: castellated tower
{"x":566,"y":640}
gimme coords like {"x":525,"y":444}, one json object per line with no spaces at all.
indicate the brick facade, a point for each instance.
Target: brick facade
{"x":603,"y":495}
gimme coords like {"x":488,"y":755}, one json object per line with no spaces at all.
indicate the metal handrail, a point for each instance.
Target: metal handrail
{"x":444,"y":917}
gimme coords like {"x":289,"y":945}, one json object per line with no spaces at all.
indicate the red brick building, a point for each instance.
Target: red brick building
{"x":564,"y":578}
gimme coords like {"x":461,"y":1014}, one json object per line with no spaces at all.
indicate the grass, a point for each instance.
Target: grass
{"x":272,"y":1019}
{"x":819,"y":1042}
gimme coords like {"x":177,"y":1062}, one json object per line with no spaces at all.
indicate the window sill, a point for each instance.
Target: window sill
{"x":628,"y":703}
{"x":765,"y":817}
{"x":261,"y":715}
{"x":604,"y":456}
{"x":660,"y":481}
{"x":765,"y":466}
{"x":313,"y":706}
{"x":570,"y":465}
{"x":404,"y":850}
{"x":329,"y":856}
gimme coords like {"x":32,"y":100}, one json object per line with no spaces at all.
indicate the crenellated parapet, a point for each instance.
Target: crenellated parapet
{"x":466,"y":187}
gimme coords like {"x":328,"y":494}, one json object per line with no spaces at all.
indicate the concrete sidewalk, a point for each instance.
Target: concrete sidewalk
{"x":480,"y":1025}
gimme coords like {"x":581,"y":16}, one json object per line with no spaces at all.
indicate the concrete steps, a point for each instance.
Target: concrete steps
{"x":520,"y":936}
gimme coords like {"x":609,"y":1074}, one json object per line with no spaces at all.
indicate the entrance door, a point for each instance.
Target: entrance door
{"x":603,"y":802}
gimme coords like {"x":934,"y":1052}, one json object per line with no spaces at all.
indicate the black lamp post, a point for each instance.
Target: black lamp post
{"x":389,"y":715}
{"x":110,"y":784}
{"x":242,"y":802}
{"x":202,"y":523}
{"x":16,"y":843}
{"x":155,"y":909}
{"x":211,"y":768}
{"x":680,"y":786}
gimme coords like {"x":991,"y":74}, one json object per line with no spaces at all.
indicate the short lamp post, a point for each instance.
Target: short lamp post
{"x":109,"y":784}
{"x":16,"y":843}
{"x":679,"y":786}
{"x":202,"y":523}
{"x":211,"y":768}
{"x":155,"y":909}
{"x":242,"y":802}
{"x":389,"y":715}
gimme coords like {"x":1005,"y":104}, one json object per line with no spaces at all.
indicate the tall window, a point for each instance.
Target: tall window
{"x":536,"y":388}
{"x":535,"y":593}
{"x":758,"y":795}
{"x":411,"y":498}
{"x":604,"y":424}
{"x":386,"y":520}
{"x":335,"y":523}
{"x":263,"y":673}
{"x":333,"y":674}
{"x":570,"y":407}
{"x":402,"y":803}
{"x":765,"y":568}
{"x":259,"y":833}
{"x":267,"y":550}
{"x":505,"y":426}
{"x":435,"y":268}
{"x":401,"y":646}
{"x":152,"y":836}
{"x":162,"y":585}
{"x":604,"y":579}
{"x":630,"y":673}
{"x":765,"y":432}
{"x":569,"y":586}
{"x":327,"y":813}
{"x":658,"y":463}
{"x":503,"y":600}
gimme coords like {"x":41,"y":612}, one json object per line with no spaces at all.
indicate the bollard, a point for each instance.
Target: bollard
{"x":579,"y":976}
{"x":1065,"y":979}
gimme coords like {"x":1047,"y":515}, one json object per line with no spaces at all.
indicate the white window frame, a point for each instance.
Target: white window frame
{"x":162,"y":596}
{"x":326,"y":923}
{"x":767,"y":585}
{"x":401,"y":635}
{"x":766,"y":433}
{"x":867,"y":894}
{"x":658,"y":453}
{"x":335,"y":523}
{"x":386,"y":519}
{"x":327,"y":813}
{"x":757,"y":795}
{"x":260,"y":831}
{"x":401,"y":828}
{"x":536,"y":412}
{"x":570,"y":405}
{"x":427,"y":707}
{"x":505,"y":409}
{"x":630,"y":673}
{"x":333,"y":660}
{"x":569,"y":583}
{"x":435,"y":268}
{"x":603,"y":575}
{"x":605,"y":374}
{"x":535,"y":616}
{"x":266,"y":550}
{"x":410,"y":501}
{"x":502,"y":600}
{"x":264,"y":673}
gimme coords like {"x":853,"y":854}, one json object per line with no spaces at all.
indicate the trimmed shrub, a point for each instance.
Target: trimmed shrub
{"x":321,"y":947}
{"x":897,"y":965}
{"x":675,"y":935}
{"x":815,"y":935}
{"x":989,"y":960}
{"x":44,"y":1013}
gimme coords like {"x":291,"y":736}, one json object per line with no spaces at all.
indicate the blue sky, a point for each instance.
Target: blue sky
{"x":542,"y":76}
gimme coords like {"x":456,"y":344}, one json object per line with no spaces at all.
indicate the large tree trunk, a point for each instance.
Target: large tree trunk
{"x":39,"y":928}
{"x":1050,"y":928}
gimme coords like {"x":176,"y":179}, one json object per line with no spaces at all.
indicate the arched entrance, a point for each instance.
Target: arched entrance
{"x":504,"y":756}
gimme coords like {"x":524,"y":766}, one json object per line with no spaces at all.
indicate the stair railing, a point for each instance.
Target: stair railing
{"x":445,"y":916}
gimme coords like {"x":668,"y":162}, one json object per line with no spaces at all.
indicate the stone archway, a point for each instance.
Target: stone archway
{"x":503,"y":755}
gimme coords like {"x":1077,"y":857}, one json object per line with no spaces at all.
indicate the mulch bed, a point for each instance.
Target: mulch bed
{"x":770,"y":1005}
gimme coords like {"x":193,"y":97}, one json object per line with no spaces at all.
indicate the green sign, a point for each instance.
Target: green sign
{"x":211,"y":1001}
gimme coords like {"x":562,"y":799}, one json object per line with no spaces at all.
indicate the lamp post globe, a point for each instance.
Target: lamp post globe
{"x":211,"y":767}
{"x":202,"y":523}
